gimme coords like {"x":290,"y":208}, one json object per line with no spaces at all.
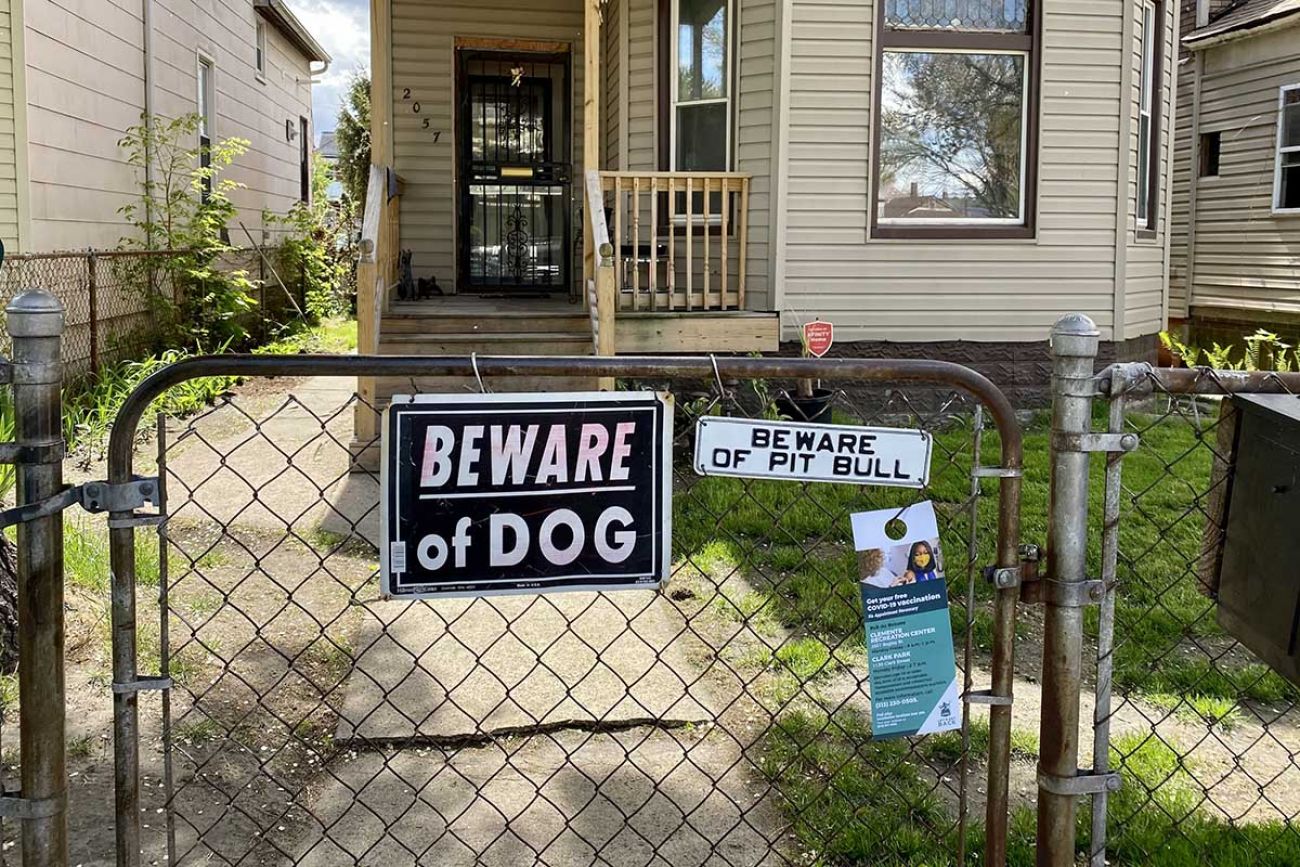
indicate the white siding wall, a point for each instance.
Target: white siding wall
{"x":424,"y":35}
{"x":910,"y":290}
{"x":1245,"y":257}
{"x":9,"y":149}
{"x":85,"y":67}
{"x":1144,"y":279}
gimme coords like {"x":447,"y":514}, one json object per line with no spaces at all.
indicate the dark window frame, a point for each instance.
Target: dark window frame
{"x":304,"y":159}
{"x":1148,"y":226}
{"x":1209,"y":159}
{"x":1030,"y":43}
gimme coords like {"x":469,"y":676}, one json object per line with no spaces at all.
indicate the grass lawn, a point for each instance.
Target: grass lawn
{"x":852,"y":800}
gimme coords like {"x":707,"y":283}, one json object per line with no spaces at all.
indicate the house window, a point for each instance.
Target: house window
{"x":700,"y":82}
{"x":1149,"y":86}
{"x":260,"y":49}
{"x":1286,"y":186}
{"x":1211,"y":142}
{"x":206,"y":98}
{"x":304,"y":158}
{"x":955,"y":119}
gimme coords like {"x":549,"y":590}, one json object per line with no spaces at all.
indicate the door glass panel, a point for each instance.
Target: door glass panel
{"x":515,"y":220}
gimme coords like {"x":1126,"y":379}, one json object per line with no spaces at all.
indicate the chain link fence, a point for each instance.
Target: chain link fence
{"x":722,"y":720}
{"x":1205,"y":736}
{"x":113,"y":299}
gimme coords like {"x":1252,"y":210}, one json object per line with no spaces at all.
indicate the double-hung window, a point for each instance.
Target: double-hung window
{"x":1149,"y":86}
{"x":700,"y":85}
{"x":206,"y":97}
{"x":955,"y":118}
{"x":1286,"y":184}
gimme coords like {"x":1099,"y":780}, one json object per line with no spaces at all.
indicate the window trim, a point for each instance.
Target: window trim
{"x":1028,"y":44}
{"x":1151,"y":91}
{"x":668,"y":80}
{"x":259,"y":49}
{"x":1278,"y":151}
{"x":205,"y":93}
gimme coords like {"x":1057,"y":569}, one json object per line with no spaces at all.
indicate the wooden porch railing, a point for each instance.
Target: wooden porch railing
{"x":601,"y":299}
{"x":679,"y":239}
{"x":380,"y":247}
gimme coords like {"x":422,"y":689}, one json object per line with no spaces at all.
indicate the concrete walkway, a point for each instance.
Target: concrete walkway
{"x":562,"y":729}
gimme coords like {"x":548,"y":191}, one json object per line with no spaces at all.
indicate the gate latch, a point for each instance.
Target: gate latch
{"x":92,"y":496}
{"x":1085,"y":782}
{"x":127,"y":497}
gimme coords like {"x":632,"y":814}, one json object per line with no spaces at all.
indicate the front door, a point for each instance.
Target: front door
{"x":514,"y":169}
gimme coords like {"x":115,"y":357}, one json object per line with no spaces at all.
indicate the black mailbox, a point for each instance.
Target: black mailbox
{"x":1259,"y":571}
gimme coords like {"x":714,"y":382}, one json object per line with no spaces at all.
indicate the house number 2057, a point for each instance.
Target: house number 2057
{"x":426,"y":123}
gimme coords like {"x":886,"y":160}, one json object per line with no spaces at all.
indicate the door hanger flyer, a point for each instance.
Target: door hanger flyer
{"x":913,"y":669}
{"x":486,"y":494}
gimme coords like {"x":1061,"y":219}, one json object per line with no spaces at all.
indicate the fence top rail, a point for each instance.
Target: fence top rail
{"x":104,"y":254}
{"x":1138,"y":377}
{"x":864,"y":370}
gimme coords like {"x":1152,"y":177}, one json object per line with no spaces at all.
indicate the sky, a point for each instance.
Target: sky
{"x":342,"y":27}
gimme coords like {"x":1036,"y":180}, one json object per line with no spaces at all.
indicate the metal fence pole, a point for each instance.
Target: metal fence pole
{"x":35,"y":321}
{"x":1074,"y":351}
{"x":92,"y":285}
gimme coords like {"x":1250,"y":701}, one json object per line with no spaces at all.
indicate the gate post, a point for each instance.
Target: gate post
{"x":35,"y":321}
{"x":1075,"y":341}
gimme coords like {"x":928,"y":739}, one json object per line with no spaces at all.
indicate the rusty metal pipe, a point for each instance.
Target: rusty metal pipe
{"x":35,"y":321}
{"x":1075,"y":342}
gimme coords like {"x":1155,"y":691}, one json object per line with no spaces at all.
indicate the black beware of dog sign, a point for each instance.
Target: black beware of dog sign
{"x":525,"y":493}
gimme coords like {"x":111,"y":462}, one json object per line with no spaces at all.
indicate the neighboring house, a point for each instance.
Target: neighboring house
{"x":76,"y":74}
{"x":948,"y":177}
{"x":329,"y":152}
{"x":1235,"y":255}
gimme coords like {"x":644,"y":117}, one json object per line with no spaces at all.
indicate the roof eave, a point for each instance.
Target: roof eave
{"x":282,"y":19}
{"x":1289,"y":18}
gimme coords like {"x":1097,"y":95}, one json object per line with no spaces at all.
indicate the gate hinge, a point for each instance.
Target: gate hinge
{"x":1084,"y":782}
{"x":1062,"y":594}
{"x":126,"y":497}
{"x":1073,"y":441}
{"x":14,"y":806}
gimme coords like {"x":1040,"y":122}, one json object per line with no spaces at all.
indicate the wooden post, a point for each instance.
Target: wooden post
{"x":590,"y":120}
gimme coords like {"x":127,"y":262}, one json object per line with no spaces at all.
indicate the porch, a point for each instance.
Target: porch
{"x":501,"y":166}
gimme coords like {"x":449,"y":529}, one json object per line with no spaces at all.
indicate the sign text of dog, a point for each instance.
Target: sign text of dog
{"x":525,"y":493}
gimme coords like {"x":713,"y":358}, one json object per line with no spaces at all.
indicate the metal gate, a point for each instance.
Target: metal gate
{"x":269,"y":708}
{"x":514,"y":149}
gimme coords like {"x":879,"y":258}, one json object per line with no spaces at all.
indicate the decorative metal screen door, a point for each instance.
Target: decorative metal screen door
{"x":514,"y":161}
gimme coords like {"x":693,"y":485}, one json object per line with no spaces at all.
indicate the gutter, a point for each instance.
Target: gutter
{"x":282,"y":19}
{"x":1289,"y":18}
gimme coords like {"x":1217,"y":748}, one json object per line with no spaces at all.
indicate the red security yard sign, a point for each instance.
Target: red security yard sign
{"x":818,"y":337}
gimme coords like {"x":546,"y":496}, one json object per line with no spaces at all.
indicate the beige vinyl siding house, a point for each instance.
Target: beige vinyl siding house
{"x":774,"y":107}
{"x":83,"y":85}
{"x":1237,"y":246}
